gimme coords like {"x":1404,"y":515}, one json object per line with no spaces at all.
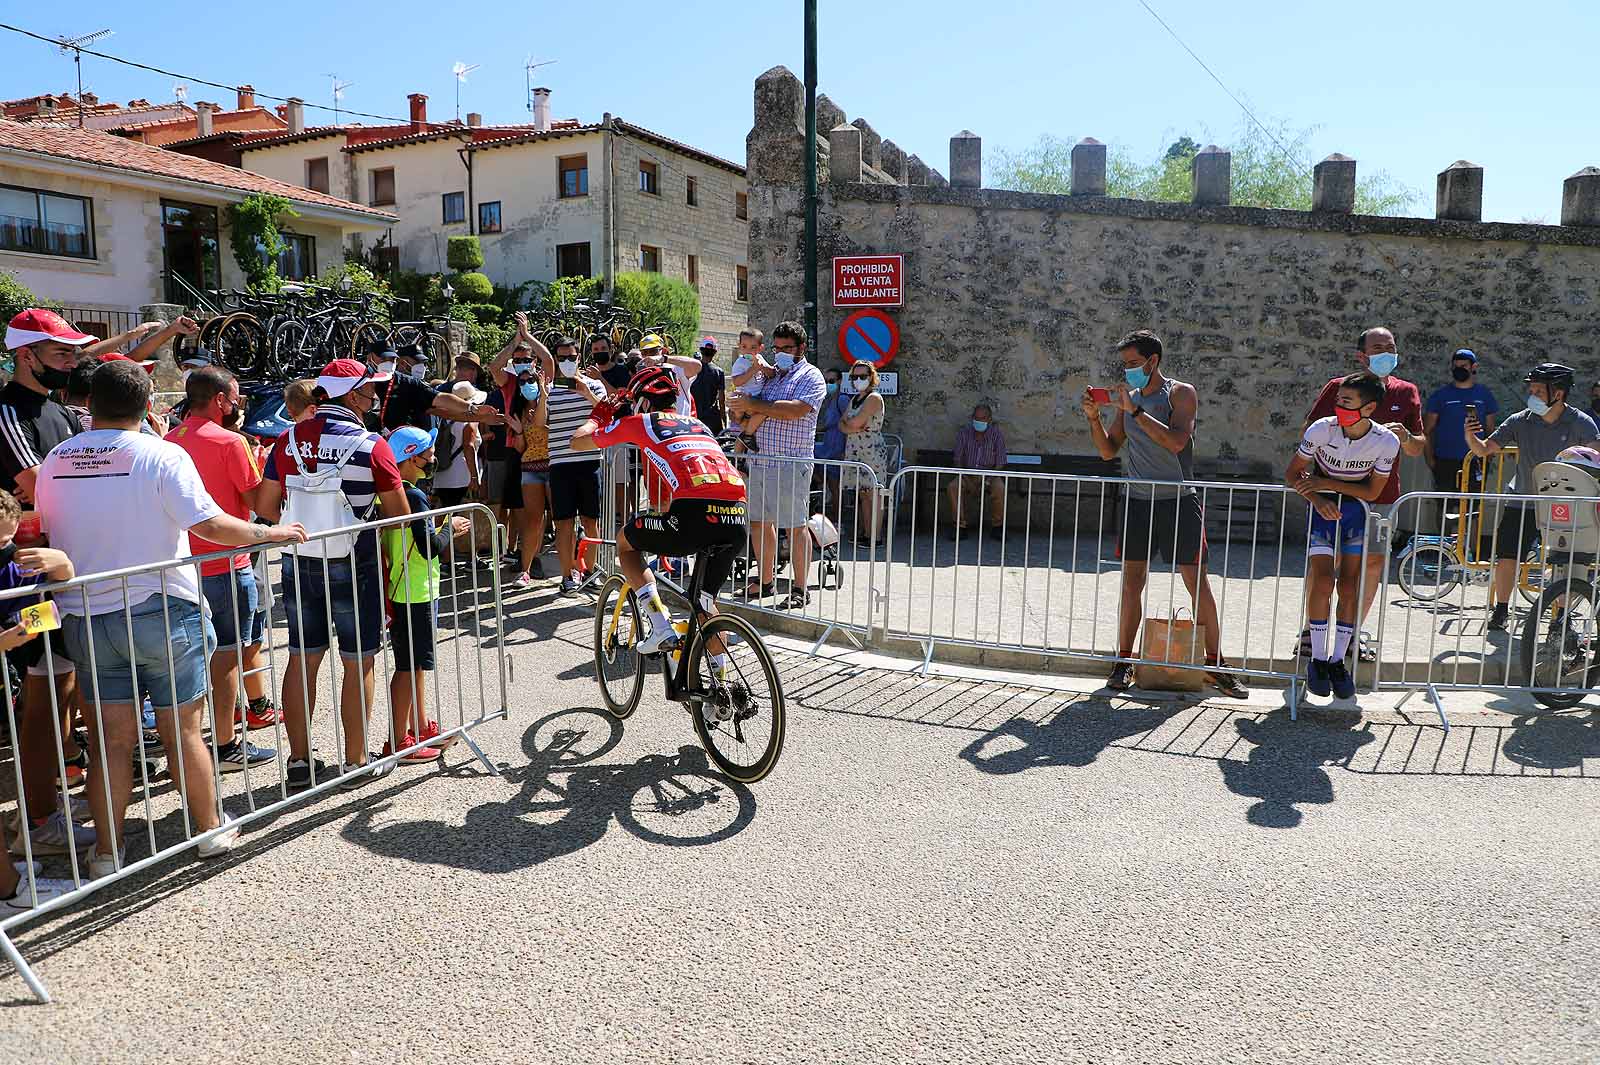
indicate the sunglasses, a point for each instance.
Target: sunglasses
{"x":860,"y":377}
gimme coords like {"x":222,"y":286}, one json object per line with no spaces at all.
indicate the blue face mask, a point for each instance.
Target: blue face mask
{"x":1137,"y":376}
{"x":1383,"y":363}
{"x":1538,"y":406}
{"x":783,"y":360}
{"x":979,"y":426}
{"x":833,"y":387}
{"x":530,"y":391}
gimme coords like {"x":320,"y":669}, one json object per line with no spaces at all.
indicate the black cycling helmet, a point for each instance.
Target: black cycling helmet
{"x":1552,"y":375}
{"x":655,"y":388}
{"x":411,"y":351}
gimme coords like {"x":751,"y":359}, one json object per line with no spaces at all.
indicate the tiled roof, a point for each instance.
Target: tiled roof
{"x":625,"y":128}
{"x":480,"y":134}
{"x":272,"y":140}
{"x":678,"y":146}
{"x":120,"y":153}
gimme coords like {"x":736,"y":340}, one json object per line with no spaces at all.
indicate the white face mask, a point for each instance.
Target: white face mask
{"x":857,"y":385}
{"x":417,"y":372}
{"x":387,"y":366}
{"x":568,"y":368}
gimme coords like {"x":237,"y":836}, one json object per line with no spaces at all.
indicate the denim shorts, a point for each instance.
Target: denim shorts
{"x":183,"y":635}
{"x":357,"y":604}
{"x":535,"y":476}
{"x":229,"y":620}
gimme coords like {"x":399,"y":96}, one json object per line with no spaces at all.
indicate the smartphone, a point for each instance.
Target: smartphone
{"x":1472,"y":411}
{"x":1100,"y":395}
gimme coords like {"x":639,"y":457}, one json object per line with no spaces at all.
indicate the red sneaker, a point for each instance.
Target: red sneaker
{"x":261,"y":713}
{"x":430,"y":736}
{"x":416,"y":757}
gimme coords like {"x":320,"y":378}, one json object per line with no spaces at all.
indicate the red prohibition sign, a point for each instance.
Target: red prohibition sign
{"x":869,"y":335}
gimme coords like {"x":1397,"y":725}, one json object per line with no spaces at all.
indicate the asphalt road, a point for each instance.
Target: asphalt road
{"x":941,"y":869}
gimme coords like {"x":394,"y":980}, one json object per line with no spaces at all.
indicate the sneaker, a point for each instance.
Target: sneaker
{"x":233,"y":757}
{"x":430,"y":736}
{"x":24,"y":868}
{"x":221,"y":843}
{"x":1318,"y":681}
{"x":417,"y":757}
{"x":656,"y":640}
{"x":1121,"y":678}
{"x":102,"y":865}
{"x":298,"y":774}
{"x":523,"y":582}
{"x":50,"y":835}
{"x":1367,"y":647}
{"x":1498,"y":617}
{"x":1340,"y":680}
{"x":44,"y":889}
{"x":569,"y":586}
{"x":1226,"y":682}
{"x":262,"y":713}
{"x":151,"y":763}
{"x":359,"y":775}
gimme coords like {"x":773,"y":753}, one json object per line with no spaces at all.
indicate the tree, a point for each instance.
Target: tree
{"x":464,"y":253}
{"x":655,"y":300}
{"x":1264,"y":175}
{"x":253,"y":232}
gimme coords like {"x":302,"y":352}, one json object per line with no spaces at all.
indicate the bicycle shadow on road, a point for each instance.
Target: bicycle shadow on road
{"x":567,"y":801}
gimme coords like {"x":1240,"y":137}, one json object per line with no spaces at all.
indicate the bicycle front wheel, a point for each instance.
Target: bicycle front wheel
{"x":1428,"y":573}
{"x":738,"y":709}
{"x":617,"y":666}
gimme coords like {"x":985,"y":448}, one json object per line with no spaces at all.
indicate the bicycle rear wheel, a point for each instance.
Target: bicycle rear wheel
{"x":241,"y":346}
{"x":617,"y":666}
{"x":290,"y":340}
{"x":367,"y":333}
{"x":1428,"y":573}
{"x":1560,"y":644}
{"x":744,"y":735}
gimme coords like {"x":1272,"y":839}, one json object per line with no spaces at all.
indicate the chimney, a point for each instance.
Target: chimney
{"x":91,"y":100}
{"x":47,"y":105}
{"x":419,"y":112}
{"x":247,"y":97}
{"x":541,"y":110}
{"x":295,"y":113}
{"x":474,"y":119}
{"x":202,"y":117}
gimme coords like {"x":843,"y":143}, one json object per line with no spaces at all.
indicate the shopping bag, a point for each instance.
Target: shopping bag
{"x":480,"y":537}
{"x":1178,"y":640}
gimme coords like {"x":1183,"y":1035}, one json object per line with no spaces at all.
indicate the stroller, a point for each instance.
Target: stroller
{"x":824,"y":534}
{"x":1561,"y":637}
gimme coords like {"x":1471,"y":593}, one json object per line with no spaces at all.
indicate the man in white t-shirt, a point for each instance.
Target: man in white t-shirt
{"x":152,"y":489}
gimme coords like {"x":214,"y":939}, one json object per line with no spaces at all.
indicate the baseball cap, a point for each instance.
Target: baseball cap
{"x":36,"y":324}
{"x":709,"y":343}
{"x":1465,"y":353}
{"x":148,"y":364}
{"x":196,"y":359}
{"x":651,"y":340}
{"x":344,"y":375}
{"x":407,"y":442}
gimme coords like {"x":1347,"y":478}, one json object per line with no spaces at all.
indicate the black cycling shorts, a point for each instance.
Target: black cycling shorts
{"x":690,"y":527}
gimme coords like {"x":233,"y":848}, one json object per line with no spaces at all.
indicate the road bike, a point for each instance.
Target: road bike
{"x":738,"y":715}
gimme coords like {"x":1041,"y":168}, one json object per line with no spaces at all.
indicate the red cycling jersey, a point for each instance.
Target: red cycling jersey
{"x":685,"y":461}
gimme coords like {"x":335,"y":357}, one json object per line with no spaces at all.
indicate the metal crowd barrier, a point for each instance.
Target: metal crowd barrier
{"x":468,"y":624}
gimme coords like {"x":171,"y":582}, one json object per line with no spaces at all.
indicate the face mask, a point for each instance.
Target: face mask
{"x":602,"y":358}
{"x":979,"y":426}
{"x":183,"y":378}
{"x":1460,"y":373}
{"x":51,"y":377}
{"x":742,"y":365}
{"x":833,"y":388}
{"x":1383,"y":363}
{"x":387,"y":366}
{"x":7,"y":553}
{"x":783,"y":360}
{"x":1346,"y":416}
{"x":1136,"y":376}
{"x":520,"y":368}
{"x":568,"y":368}
{"x":417,"y":372}
{"x":530,"y":391}
{"x":1537,"y":405}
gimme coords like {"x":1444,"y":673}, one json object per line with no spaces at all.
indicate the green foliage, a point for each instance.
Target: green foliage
{"x":486,"y":313}
{"x":424,"y":291}
{"x":253,"y":232}
{"x":514,"y":298}
{"x":487,"y":338}
{"x":563,"y":292}
{"x":464,"y":253}
{"x":472,"y":288}
{"x":15,"y":297}
{"x":1264,"y":175}
{"x":656,"y":300}
{"x":362,"y":281}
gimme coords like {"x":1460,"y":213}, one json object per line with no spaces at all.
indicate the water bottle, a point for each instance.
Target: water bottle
{"x":682,"y":629}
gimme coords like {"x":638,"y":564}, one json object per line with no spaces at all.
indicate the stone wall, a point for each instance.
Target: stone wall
{"x":1019,"y":297}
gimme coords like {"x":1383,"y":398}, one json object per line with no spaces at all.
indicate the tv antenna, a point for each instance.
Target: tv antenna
{"x":528,"y":67}
{"x":180,"y":92}
{"x":338,"y":93}
{"x":461,"y":70}
{"x":74,"y":46}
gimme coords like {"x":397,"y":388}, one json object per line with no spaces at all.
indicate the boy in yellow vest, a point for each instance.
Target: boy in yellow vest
{"x":411,"y":555}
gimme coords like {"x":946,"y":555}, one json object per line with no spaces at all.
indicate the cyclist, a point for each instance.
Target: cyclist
{"x":704,"y":496}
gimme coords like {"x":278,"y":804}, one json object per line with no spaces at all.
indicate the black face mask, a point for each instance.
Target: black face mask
{"x":7,"y":553}
{"x":1460,"y":373}
{"x":51,"y":377}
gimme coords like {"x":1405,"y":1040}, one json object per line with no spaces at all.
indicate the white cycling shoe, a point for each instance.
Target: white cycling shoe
{"x":656,"y":640}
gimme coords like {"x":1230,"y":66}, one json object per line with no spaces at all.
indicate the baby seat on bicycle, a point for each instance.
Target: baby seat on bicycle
{"x":1571,"y":525}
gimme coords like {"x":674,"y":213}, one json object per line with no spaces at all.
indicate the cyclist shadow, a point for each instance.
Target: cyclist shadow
{"x":1073,"y":738}
{"x":1554,"y":740}
{"x":1286,"y":766}
{"x":567,"y":801}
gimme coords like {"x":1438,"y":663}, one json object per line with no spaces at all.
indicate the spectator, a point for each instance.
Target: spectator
{"x":45,"y":349}
{"x":228,"y":469}
{"x":530,"y":417}
{"x":1152,"y":427}
{"x":458,"y":474}
{"x":147,"y":631}
{"x":1594,"y":402}
{"x":1445,"y":417}
{"x":348,"y":588}
{"x":411,"y":553}
{"x":147,"y":338}
{"x":1539,"y":432}
{"x":619,"y":466}
{"x":709,"y":389}
{"x":830,"y":444}
{"x":1400,"y":413}
{"x":614,"y":372}
{"x":405,"y":397}
{"x":863,"y":429}
{"x":793,"y":393}
{"x":749,"y":375}
{"x":522,"y":360}
{"x":980,"y":445}
{"x":653,"y":350}
{"x":299,"y":399}
{"x":469,"y":368}
{"x":574,"y":477}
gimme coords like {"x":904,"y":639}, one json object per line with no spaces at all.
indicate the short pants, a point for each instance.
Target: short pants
{"x":167,"y":657}
{"x":692,"y":526}
{"x":1344,"y":537}
{"x":357,"y":602}
{"x":229,"y":620}
{"x":574,"y":490}
{"x":411,"y":636}
{"x":1173,"y":529}
{"x":1518,"y":532}
{"x":535,"y":477}
{"x":451,"y":497}
{"x":779,"y":491}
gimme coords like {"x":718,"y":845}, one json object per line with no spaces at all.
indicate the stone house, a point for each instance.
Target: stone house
{"x":554,"y":198}
{"x":95,"y":221}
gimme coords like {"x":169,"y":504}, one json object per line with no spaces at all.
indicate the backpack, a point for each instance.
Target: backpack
{"x":317,"y":501}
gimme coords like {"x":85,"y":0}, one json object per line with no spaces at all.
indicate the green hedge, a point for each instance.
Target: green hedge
{"x":656,"y":300}
{"x":472,"y":288}
{"x":464,"y":253}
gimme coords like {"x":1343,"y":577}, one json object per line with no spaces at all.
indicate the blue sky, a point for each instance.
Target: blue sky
{"x":1406,"y":87}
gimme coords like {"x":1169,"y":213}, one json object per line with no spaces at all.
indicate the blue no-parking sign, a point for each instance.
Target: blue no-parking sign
{"x":869,"y":336}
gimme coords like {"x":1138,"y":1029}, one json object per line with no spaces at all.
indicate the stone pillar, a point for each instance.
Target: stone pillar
{"x":1580,"y":198}
{"x":1088,"y":168}
{"x":966,"y":160}
{"x":871,"y":144}
{"x":166,"y":374}
{"x":893,"y":161}
{"x":829,"y":115}
{"x":1459,"y":193}
{"x":1333,"y":185}
{"x":1212,"y":180}
{"x":916,"y":171}
{"x":844,"y":155}
{"x":775,"y":149}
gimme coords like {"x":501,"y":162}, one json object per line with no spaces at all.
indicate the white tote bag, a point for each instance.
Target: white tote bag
{"x":317,"y":501}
